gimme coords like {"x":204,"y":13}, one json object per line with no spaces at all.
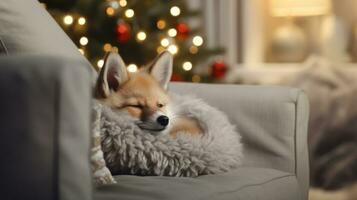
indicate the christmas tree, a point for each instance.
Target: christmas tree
{"x":138,"y":30}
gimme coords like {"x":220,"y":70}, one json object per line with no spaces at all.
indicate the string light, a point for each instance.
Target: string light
{"x":161,"y":24}
{"x":68,"y":19}
{"x":187,"y":66}
{"x":197,"y":40}
{"x":107,"y":47}
{"x":81,"y":51}
{"x":196,"y":78}
{"x":129,"y":13}
{"x":83,"y":41}
{"x":160,"y":49}
{"x":123,"y":3}
{"x":141,"y":36}
{"x":165,"y":42}
{"x":100,"y":63}
{"x":172,"y":32}
{"x":114,"y":4}
{"x":193,"y":49}
{"x":110,"y":11}
{"x":175,"y":11}
{"x":81,"y":21}
{"x":173,"y":49}
{"x":132,"y":68}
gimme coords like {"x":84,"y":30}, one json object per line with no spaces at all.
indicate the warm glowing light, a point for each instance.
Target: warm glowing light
{"x":100,"y":63}
{"x":193,"y":50}
{"x":165,"y":42}
{"x":68,"y":19}
{"x":82,"y":21}
{"x":161,"y":24}
{"x":132,"y":68}
{"x":175,"y":11}
{"x":299,"y":8}
{"x":197,"y":40}
{"x":110,"y":11}
{"x":187,"y":66}
{"x":173,"y":49}
{"x":172,"y":32}
{"x":83,"y":41}
{"x":196,"y":78}
{"x":107,"y":47}
{"x":129,"y":13}
{"x":160,"y":49}
{"x":123,"y":3}
{"x":141,"y":36}
{"x":81,"y":51}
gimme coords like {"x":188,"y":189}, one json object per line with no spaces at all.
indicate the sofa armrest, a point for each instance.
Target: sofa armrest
{"x":272,"y":121}
{"x":45,"y":128}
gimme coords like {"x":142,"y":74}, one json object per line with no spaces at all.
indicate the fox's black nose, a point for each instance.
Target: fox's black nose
{"x":163,"y":120}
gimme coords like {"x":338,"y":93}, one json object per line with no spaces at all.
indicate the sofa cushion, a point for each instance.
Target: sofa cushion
{"x":272,"y":121}
{"x":243,"y":183}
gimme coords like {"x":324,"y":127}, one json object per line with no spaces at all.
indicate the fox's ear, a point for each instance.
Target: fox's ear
{"x":161,"y":68}
{"x":111,"y":76}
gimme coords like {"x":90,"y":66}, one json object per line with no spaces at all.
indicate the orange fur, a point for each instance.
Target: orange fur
{"x":186,"y":126}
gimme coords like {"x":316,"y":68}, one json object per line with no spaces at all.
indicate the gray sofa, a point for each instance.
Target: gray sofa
{"x":45,"y":87}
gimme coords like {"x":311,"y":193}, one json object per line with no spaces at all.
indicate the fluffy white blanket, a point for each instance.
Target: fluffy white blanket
{"x":131,"y":150}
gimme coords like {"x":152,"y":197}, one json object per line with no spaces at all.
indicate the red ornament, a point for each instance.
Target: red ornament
{"x":219,"y":69}
{"x":176,"y":77}
{"x":182,"y":30}
{"x":123,"y":31}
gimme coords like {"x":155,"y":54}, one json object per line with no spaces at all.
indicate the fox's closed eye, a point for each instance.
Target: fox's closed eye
{"x":160,"y":105}
{"x":135,"y":106}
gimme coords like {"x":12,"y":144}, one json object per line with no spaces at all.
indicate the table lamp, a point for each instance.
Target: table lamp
{"x":289,"y":41}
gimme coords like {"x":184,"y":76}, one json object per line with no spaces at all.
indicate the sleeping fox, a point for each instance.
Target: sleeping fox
{"x":143,"y":95}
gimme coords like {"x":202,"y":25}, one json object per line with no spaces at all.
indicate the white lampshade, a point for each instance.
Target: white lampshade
{"x":283,"y":8}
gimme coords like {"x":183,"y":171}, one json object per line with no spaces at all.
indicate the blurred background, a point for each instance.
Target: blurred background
{"x":309,"y":44}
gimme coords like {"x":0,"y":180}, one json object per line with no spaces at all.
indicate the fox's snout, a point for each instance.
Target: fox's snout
{"x":156,"y":122}
{"x":162,"y":120}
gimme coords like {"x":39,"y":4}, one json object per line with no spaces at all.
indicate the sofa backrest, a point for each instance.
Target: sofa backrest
{"x":27,"y":28}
